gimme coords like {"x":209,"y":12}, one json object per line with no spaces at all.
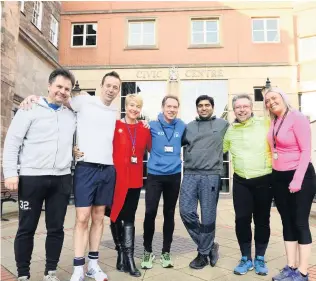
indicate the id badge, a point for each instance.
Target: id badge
{"x":168,"y":148}
{"x":275,"y":155}
{"x":134,"y":160}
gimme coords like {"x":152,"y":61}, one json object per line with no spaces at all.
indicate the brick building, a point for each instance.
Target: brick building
{"x":183,"y":48}
{"x":29,"y":52}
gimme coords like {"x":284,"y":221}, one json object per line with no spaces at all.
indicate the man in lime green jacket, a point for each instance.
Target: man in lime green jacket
{"x":246,"y":139}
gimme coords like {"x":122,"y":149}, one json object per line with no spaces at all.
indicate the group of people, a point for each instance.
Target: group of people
{"x":270,"y":155}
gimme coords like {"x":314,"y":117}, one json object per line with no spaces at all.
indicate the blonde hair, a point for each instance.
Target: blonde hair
{"x":283,"y":96}
{"x":134,"y":97}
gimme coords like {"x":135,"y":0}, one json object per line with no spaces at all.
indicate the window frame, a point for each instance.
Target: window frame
{"x":89,"y":90}
{"x":265,"y":30}
{"x":84,"y":35}
{"x":141,"y":21}
{"x":38,"y":24}
{"x":55,"y":39}
{"x":219,"y":43}
{"x":254,"y":93}
{"x":123,"y":112}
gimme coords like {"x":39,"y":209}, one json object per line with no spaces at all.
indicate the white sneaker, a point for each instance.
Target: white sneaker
{"x":23,"y":278}
{"x":96,"y":273}
{"x":78,"y":274}
{"x":51,"y":276}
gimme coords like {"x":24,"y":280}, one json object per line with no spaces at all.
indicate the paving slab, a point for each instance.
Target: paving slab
{"x":183,"y":249}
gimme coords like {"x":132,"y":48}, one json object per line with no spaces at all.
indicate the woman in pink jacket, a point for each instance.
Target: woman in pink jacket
{"x":294,"y":180}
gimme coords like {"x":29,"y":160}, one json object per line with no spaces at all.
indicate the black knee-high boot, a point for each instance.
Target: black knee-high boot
{"x":117,"y":233}
{"x":128,"y":246}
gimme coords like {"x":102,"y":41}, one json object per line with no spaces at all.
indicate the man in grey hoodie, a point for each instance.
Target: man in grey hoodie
{"x":40,"y":141}
{"x":203,"y":164}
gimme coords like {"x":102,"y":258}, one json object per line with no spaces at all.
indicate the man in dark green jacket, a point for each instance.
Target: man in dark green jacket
{"x":203,"y":164}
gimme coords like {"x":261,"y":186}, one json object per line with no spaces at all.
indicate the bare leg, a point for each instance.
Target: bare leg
{"x":291,"y":249}
{"x":81,"y":230}
{"x":304,"y":254}
{"x":96,"y":230}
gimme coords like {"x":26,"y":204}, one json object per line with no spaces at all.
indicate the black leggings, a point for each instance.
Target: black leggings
{"x":294,"y":208}
{"x":169,"y":187}
{"x":129,"y":208}
{"x":252,"y":199}
{"x":128,"y":211}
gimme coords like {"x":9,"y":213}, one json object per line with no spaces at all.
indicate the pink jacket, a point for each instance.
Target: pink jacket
{"x":293,"y":145}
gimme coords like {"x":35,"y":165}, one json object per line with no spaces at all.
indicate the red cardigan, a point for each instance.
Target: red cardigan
{"x":128,"y":175}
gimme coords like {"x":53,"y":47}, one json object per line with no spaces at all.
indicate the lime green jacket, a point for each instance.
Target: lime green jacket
{"x":248,"y":146}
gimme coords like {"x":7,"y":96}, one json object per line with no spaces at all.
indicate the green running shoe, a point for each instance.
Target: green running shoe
{"x":147,"y":260}
{"x":165,"y":260}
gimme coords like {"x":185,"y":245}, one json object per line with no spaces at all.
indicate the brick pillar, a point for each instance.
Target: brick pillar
{"x":10,"y":21}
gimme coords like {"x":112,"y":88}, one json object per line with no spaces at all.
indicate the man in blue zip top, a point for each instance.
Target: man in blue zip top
{"x":164,"y":176}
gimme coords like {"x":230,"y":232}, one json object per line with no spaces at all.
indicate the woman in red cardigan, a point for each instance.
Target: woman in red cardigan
{"x":131,"y":139}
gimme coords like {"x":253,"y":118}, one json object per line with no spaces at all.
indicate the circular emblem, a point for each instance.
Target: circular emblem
{"x":120,"y":130}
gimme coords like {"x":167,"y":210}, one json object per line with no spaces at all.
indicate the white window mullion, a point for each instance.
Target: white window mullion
{"x":22,"y":7}
{"x":142,"y":33}
{"x":84,"y":34}
{"x":265,"y":31}
{"x":204,"y":32}
{"x":56,"y":33}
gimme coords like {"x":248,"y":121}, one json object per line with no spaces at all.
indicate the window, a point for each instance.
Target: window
{"x":191,"y":89}
{"x":141,"y":33}
{"x":218,"y":89}
{"x":307,"y":48}
{"x":91,"y":92}
{"x":37,"y":14}
{"x":204,"y":32}
{"x":22,"y":6}
{"x":258,"y":93}
{"x":308,"y":101}
{"x":84,"y":34}
{"x":265,"y":30}
{"x":53,"y":32}
{"x":152,"y":93}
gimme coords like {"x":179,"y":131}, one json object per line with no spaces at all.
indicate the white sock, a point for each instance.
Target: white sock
{"x":92,"y":263}
{"x":78,"y":270}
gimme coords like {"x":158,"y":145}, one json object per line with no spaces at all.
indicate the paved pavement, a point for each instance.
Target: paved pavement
{"x":183,"y":249}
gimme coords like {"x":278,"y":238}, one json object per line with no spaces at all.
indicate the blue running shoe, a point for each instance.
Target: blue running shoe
{"x":295,"y":275}
{"x":284,"y":273}
{"x":244,"y":266}
{"x":260,"y":266}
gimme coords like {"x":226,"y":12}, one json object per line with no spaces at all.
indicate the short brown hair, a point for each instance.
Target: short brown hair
{"x":113,"y":74}
{"x":61,"y":72}
{"x":170,"y":97}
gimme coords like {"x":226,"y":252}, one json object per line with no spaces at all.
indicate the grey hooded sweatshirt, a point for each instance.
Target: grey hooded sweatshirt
{"x":40,"y":140}
{"x":203,"y":141}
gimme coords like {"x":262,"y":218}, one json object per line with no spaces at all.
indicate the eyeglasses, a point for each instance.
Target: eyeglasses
{"x":239,"y":107}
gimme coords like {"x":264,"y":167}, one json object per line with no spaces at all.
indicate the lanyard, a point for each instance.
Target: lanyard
{"x":168,"y":139}
{"x":133,"y":139}
{"x":276,"y":134}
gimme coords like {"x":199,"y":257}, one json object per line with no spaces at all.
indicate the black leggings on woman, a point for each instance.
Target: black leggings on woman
{"x":294,"y":208}
{"x":129,"y":209}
